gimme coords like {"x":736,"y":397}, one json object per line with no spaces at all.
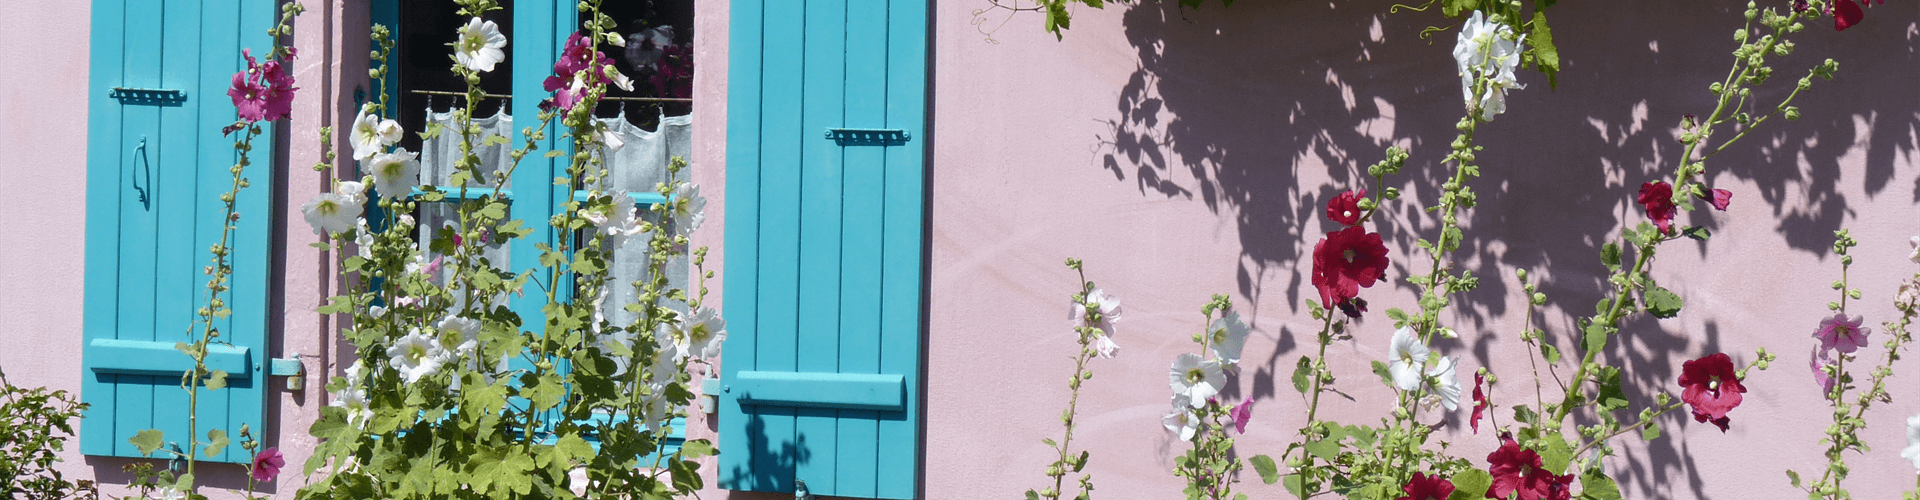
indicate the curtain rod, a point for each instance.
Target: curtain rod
{"x":503,"y":96}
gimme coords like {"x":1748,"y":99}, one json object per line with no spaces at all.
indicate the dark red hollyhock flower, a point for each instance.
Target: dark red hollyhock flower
{"x":1345,"y":208}
{"x":1511,"y":465}
{"x":1800,"y":5}
{"x":1658,"y":198}
{"x":1720,"y":198}
{"x":1345,"y":261}
{"x":1425,"y":487}
{"x":1353,"y":307}
{"x":1480,"y":403}
{"x":1555,"y":487}
{"x":1846,"y":14}
{"x":1711,"y":387}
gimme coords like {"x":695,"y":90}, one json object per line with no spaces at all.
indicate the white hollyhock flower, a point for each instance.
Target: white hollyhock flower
{"x":1409,"y":358}
{"x":354,"y":191}
{"x":618,"y":226}
{"x":1196,"y":379}
{"x":415,"y":355}
{"x":363,"y":241}
{"x":1489,"y":50}
{"x":1915,"y":256}
{"x":577,"y":481}
{"x":689,"y":208}
{"x":706,"y":332}
{"x":331,"y":213}
{"x":459,"y":336}
{"x":395,"y":174}
{"x":353,"y":399}
{"x":1229,"y":337}
{"x":479,"y":44}
{"x":1181,"y":420}
{"x":1448,"y":388}
{"x":1912,"y":451}
{"x":371,"y":134}
{"x":1107,"y":305}
{"x":1104,"y":346}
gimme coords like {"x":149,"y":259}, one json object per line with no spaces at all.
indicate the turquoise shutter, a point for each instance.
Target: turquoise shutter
{"x":156,"y":163}
{"x":826,"y":201}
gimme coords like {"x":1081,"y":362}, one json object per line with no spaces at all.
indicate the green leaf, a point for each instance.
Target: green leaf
{"x":1031,"y":495}
{"x":1662,"y":303}
{"x":217,"y":380}
{"x":1300,"y":371}
{"x":1611,"y":396}
{"x":1546,"y":57}
{"x":1555,"y":455}
{"x":1596,"y":338}
{"x":1470,"y":485}
{"x":1697,"y":232}
{"x":573,"y":448}
{"x":697,"y":448}
{"x":216,"y":442}
{"x":1269,"y":472}
{"x":1598,"y":487}
{"x":1380,"y":368}
{"x":146,"y":441}
{"x":1650,"y":432}
{"x":1551,"y":353}
{"x":1326,"y":449}
{"x":1610,"y":255}
{"x":1794,"y":477}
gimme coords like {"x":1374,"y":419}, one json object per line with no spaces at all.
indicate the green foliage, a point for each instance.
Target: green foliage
{"x":35,"y":424}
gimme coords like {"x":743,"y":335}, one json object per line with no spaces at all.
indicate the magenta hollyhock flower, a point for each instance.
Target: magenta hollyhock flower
{"x":263,"y":91}
{"x":1819,"y":362}
{"x":1480,"y":403}
{"x":1425,"y":487}
{"x":1711,"y":387}
{"x":1841,"y":332}
{"x":1345,"y":208}
{"x":267,"y":464}
{"x":1345,"y":261}
{"x":1241,"y":413}
{"x":249,"y":97}
{"x":1658,"y":198}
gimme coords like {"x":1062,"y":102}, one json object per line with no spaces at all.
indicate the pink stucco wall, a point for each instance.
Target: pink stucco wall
{"x":1183,"y":153}
{"x":1187,"y":153}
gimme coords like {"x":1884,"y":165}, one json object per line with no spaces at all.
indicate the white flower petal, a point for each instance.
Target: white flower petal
{"x":1448,"y":389}
{"x":1229,"y":337}
{"x":1409,"y":359}
{"x":1196,"y":379}
{"x":395,"y":174}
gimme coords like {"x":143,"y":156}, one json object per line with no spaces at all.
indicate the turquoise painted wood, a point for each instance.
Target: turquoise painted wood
{"x":859,"y":391}
{"x":825,"y":248}
{"x":155,"y":168}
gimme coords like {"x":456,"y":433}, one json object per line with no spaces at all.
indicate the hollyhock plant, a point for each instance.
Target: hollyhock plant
{"x":267,"y":464}
{"x":1425,"y":487}
{"x":1819,"y":362}
{"x":1346,"y":261}
{"x":479,"y":45}
{"x":1511,"y":465}
{"x":1841,"y":332}
{"x":1353,"y":307}
{"x":1181,"y":420}
{"x":1195,"y":379}
{"x":1345,"y":208}
{"x":371,"y":134}
{"x":263,"y":91}
{"x":1106,"y":305}
{"x":1490,"y":50}
{"x":689,"y":208}
{"x":1442,"y":381}
{"x":1719,"y":198}
{"x":415,"y":355}
{"x":1915,"y":255}
{"x":705,"y":333}
{"x":1712,"y":387}
{"x":1846,"y":14}
{"x":1105,"y":347}
{"x":331,"y":213}
{"x":1657,"y":197}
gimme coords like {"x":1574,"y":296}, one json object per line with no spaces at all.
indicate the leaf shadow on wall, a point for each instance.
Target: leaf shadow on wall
{"x":1233,"y":107}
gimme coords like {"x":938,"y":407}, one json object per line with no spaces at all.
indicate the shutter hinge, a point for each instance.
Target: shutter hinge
{"x":295,"y":372}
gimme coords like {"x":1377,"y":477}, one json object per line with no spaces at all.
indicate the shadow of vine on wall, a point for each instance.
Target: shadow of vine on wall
{"x":1232,"y":107}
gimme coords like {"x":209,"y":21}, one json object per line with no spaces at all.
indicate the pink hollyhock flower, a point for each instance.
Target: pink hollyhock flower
{"x":1819,"y":362}
{"x":249,"y":96}
{"x":1480,"y":403}
{"x":1241,"y":413}
{"x":1846,"y":14}
{"x":1345,"y":261}
{"x":1425,"y":487}
{"x":267,"y":464}
{"x":263,"y":91}
{"x":1841,"y":332}
{"x":1658,"y":198}
{"x":1711,"y":387}
{"x":1345,"y":208}
{"x":1105,"y":347}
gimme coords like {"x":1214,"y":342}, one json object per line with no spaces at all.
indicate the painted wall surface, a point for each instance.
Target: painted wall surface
{"x":1184,"y":153}
{"x":42,"y":154}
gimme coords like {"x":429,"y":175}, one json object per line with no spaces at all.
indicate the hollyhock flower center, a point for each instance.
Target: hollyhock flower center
{"x":1348,"y":254}
{"x":417,"y":353}
{"x":1196,"y":376}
